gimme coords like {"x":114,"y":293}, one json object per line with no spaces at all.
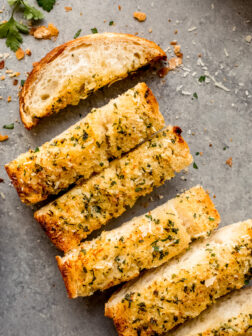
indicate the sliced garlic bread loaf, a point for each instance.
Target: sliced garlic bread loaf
{"x":182,"y":288}
{"x":229,"y":316}
{"x":86,"y":147}
{"x":85,"y":208}
{"x":75,"y":69}
{"x":144,"y":242}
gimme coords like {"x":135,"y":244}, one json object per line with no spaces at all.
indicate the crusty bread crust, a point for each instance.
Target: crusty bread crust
{"x":85,"y":208}
{"x":152,"y":53}
{"x":86,"y":147}
{"x":142,"y":243}
{"x":184,"y":287}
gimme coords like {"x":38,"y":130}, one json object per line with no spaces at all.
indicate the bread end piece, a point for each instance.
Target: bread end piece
{"x":50,"y":99}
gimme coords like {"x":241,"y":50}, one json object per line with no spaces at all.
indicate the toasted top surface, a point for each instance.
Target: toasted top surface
{"x":144,"y":242}
{"x":86,"y":147}
{"x":230,"y":315}
{"x":87,"y":207}
{"x":184,"y":287}
{"x":73,"y":70}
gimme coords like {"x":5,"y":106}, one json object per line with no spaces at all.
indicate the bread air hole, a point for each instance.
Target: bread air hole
{"x":44,"y":96}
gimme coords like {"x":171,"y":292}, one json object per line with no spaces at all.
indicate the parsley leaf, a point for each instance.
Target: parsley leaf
{"x":10,"y":30}
{"x":195,"y":165}
{"x":47,"y":5}
{"x":36,"y":150}
{"x":197,"y":153}
{"x":111,"y":23}
{"x":9,"y":126}
{"x":94,"y":30}
{"x":31,"y":13}
{"x":202,"y":79}
{"x":77,"y":34}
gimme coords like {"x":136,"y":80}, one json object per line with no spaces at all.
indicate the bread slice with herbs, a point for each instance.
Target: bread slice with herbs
{"x":229,"y":316}
{"x":86,"y":147}
{"x":142,"y":243}
{"x":72,"y":217}
{"x":184,"y":287}
{"x":77,"y":68}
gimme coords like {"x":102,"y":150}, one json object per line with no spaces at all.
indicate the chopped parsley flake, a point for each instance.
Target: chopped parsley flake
{"x":94,"y":30}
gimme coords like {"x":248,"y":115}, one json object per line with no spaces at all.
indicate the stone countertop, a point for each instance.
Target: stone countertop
{"x":218,"y":123}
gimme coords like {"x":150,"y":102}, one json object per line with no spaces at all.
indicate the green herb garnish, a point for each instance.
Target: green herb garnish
{"x":77,"y":34}
{"x":9,"y":126}
{"x":94,"y":30}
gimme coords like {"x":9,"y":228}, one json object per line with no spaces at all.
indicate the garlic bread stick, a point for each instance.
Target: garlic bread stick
{"x":86,"y":147}
{"x":144,"y":242}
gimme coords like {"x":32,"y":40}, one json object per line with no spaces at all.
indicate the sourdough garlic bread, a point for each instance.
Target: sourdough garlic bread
{"x":182,"y":288}
{"x":86,"y":147}
{"x":85,"y":208}
{"x":144,"y":242}
{"x":77,"y":68}
{"x":229,"y":316}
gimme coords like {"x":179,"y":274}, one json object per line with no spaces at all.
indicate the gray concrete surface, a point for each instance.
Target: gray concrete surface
{"x":33,"y":298}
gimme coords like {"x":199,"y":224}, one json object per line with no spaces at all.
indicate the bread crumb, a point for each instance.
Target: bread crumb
{"x":163,"y":72}
{"x":150,"y":30}
{"x":176,"y":31}
{"x":140,"y":16}
{"x":3,"y":137}
{"x":176,"y":50}
{"x":2,"y":77}
{"x":9,"y":99}
{"x":173,"y":43}
{"x":68,"y":8}
{"x":28,"y":52}
{"x":43,"y":32}
{"x":15,"y":82}
{"x":214,"y":196}
{"x":201,"y":153}
{"x":20,"y":54}
{"x":229,"y":162}
{"x":248,"y":38}
{"x":119,"y":7}
{"x":192,"y":29}
{"x":2,"y":64}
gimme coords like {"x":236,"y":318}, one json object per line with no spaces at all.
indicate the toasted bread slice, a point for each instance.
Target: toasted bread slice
{"x":229,"y":316}
{"x":182,"y":288}
{"x":144,"y":242}
{"x":85,"y":208}
{"x":75,"y":69}
{"x":86,"y":147}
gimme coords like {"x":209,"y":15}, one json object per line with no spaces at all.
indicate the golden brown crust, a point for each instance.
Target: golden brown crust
{"x":96,"y":38}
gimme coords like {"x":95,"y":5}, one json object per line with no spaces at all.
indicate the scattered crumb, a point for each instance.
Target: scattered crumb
{"x":35,"y":64}
{"x":3,"y":138}
{"x":177,"y":50}
{"x":150,"y":30}
{"x":9,"y":99}
{"x":2,"y":195}
{"x":225,"y":52}
{"x":2,"y":64}
{"x":229,"y":162}
{"x":214,"y":196}
{"x":160,"y":196}
{"x":234,"y":28}
{"x":14,"y":74}
{"x":140,"y":16}
{"x":119,"y":7}
{"x":201,"y":153}
{"x":1,"y":97}
{"x":176,"y":31}
{"x":210,"y":145}
{"x":1,"y":180}
{"x":163,"y":72}
{"x":43,"y":32}
{"x":199,"y":55}
{"x":15,"y":82}
{"x":173,"y":43}
{"x":28,"y":52}
{"x":192,"y":29}
{"x":2,"y":77}
{"x":20,"y":54}
{"x":68,"y":9}
{"x":248,"y":38}
{"x":186,"y":93}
